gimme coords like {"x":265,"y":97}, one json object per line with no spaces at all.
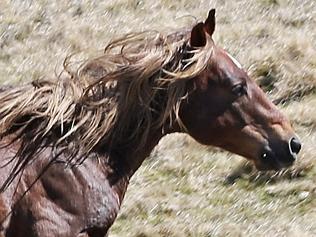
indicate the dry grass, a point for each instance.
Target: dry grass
{"x":184,"y":189}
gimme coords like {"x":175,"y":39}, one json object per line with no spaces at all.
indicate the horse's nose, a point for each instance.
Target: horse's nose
{"x":295,"y":145}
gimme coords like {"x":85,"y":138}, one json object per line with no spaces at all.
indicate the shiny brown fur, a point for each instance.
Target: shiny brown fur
{"x":70,"y":147}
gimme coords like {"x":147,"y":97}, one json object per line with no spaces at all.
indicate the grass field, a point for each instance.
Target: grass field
{"x":184,"y":189}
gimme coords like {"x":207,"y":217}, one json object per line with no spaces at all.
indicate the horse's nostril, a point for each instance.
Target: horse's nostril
{"x":295,"y":145}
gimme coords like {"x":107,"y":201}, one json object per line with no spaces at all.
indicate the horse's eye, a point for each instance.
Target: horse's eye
{"x":239,"y":90}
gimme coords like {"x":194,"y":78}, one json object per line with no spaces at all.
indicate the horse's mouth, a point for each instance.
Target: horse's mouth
{"x":271,"y":161}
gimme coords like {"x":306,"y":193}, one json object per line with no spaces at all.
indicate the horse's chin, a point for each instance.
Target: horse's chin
{"x":272,"y":164}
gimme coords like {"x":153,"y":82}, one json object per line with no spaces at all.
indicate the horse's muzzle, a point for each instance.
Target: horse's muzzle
{"x":280,"y":156}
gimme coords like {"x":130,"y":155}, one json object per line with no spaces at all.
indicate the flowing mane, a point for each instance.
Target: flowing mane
{"x":137,"y":84}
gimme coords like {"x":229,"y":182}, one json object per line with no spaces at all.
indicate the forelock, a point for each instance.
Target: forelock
{"x":235,"y":61}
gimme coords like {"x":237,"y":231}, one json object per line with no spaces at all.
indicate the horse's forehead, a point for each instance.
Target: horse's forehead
{"x":234,"y":60}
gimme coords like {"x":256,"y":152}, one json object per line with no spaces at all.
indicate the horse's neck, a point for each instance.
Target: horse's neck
{"x":127,"y":161}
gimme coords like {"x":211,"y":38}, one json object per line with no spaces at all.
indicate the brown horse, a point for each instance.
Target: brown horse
{"x":70,"y":146}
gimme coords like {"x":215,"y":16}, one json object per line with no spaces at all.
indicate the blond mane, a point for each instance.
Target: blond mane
{"x":136,"y":85}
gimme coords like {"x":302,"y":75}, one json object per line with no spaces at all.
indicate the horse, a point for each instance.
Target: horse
{"x":69,"y":146}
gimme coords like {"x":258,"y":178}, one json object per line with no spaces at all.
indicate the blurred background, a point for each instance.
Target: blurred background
{"x":185,"y":189}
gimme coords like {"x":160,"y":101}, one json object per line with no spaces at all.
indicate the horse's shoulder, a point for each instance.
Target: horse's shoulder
{"x":64,"y":198}
{"x":82,"y":190}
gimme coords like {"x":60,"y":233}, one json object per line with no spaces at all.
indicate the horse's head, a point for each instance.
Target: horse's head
{"x":227,"y":109}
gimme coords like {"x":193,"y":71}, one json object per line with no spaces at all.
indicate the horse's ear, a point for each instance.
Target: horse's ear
{"x":198,"y":37}
{"x":209,"y":23}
